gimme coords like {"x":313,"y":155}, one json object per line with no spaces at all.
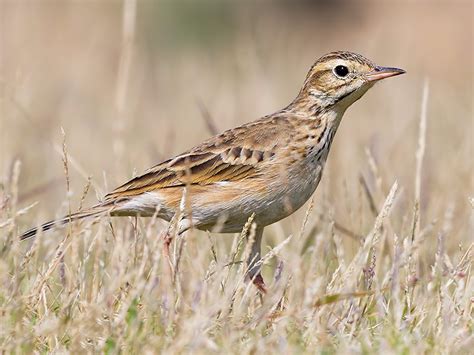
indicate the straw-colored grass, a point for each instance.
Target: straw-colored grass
{"x":380,"y":261}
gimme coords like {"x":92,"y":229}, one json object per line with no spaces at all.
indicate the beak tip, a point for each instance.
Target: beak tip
{"x":384,"y":72}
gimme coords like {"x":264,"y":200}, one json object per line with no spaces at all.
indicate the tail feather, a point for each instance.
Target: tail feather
{"x":93,"y":212}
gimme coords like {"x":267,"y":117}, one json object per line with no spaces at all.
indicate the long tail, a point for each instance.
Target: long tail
{"x":92,"y":212}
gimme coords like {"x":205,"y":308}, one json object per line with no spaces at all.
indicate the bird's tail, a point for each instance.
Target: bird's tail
{"x":95,"y":211}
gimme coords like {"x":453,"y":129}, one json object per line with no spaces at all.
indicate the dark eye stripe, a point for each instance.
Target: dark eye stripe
{"x":316,"y":75}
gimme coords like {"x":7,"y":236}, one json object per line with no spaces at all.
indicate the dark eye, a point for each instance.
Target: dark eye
{"x":341,"y":71}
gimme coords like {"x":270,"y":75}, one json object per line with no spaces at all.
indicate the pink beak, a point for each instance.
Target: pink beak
{"x":383,"y":72}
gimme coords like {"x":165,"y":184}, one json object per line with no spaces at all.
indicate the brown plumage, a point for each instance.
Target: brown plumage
{"x":269,"y":167}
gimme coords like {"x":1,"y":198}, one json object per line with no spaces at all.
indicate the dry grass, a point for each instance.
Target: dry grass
{"x":379,"y":262}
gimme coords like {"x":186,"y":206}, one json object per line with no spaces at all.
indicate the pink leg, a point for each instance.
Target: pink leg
{"x":167,"y":239}
{"x":254,"y":271}
{"x":259,"y":283}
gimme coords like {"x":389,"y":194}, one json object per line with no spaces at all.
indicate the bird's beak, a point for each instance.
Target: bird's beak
{"x":383,"y":72}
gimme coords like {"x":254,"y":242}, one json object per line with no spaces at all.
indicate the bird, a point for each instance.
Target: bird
{"x":263,"y":170}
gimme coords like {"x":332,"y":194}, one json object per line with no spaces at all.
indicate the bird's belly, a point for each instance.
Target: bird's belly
{"x":270,"y":202}
{"x":226,"y":206}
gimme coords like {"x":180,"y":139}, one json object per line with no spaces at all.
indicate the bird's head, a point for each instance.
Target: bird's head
{"x":338,"y":79}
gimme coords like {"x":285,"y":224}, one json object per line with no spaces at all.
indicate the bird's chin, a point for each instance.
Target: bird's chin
{"x":352,"y":96}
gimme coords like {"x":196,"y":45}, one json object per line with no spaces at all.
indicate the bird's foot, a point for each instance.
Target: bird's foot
{"x":259,"y":283}
{"x":167,"y":239}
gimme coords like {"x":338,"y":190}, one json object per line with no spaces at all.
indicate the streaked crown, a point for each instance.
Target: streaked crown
{"x":341,"y":78}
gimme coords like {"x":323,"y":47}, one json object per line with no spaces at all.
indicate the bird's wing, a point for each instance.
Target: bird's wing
{"x":231,"y":156}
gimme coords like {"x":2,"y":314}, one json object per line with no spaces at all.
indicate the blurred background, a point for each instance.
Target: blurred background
{"x":132,"y":83}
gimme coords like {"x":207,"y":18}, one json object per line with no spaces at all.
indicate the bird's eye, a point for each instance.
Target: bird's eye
{"x":341,"y":71}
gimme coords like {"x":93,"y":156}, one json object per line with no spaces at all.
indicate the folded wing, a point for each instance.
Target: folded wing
{"x":227,"y":157}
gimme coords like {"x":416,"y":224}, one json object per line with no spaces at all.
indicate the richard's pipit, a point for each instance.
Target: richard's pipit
{"x":269,"y":167}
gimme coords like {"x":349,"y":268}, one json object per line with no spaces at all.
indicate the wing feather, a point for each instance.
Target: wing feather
{"x":233,"y":155}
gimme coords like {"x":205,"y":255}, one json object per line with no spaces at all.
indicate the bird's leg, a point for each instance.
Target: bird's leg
{"x":253,"y":262}
{"x":177,"y":226}
{"x":167,"y":239}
